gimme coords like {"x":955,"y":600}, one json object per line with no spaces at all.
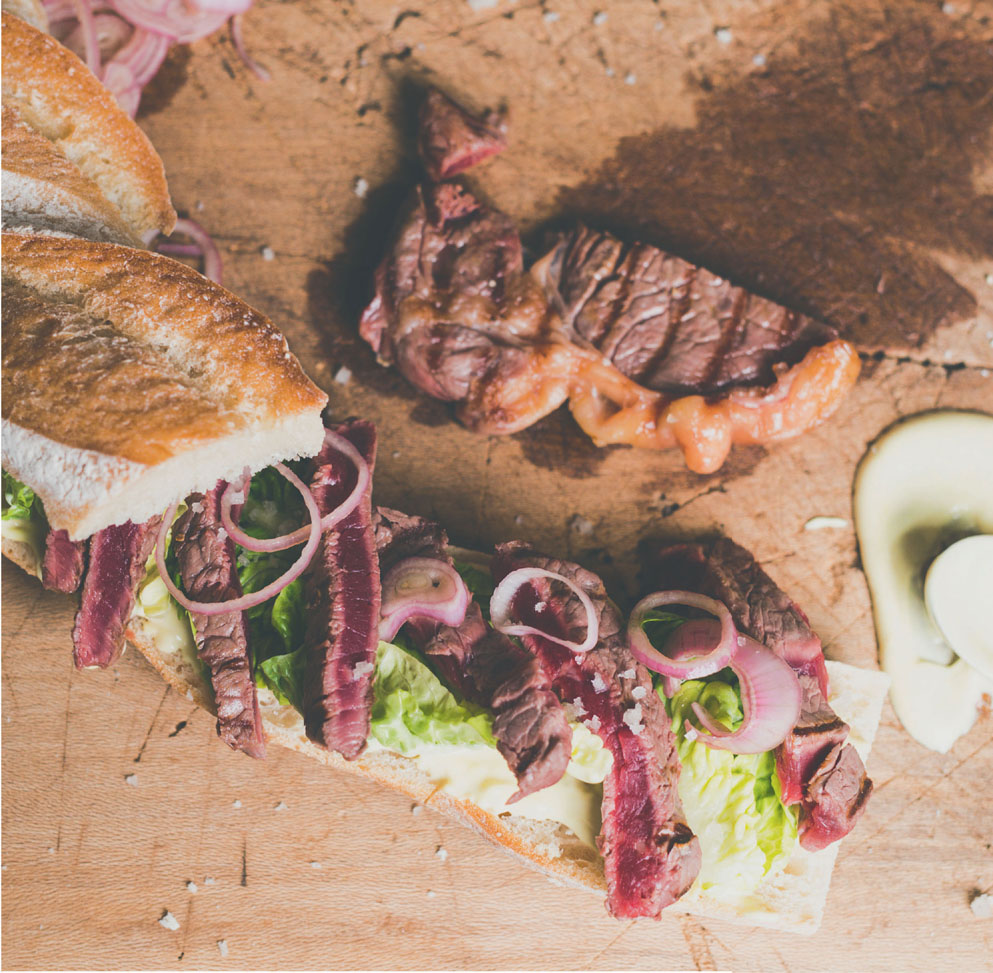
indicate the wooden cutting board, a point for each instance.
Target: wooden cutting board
{"x":836,"y":155}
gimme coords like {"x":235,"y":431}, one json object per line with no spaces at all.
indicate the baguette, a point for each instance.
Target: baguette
{"x":791,"y":901}
{"x":73,"y":161}
{"x":130,"y":381}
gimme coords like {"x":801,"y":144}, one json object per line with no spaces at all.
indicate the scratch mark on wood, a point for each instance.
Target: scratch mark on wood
{"x":180,"y":726}
{"x":151,"y":726}
{"x":696,"y":941}
{"x":244,"y":862}
{"x":596,"y":956}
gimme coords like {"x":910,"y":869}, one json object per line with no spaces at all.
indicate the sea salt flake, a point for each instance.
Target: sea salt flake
{"x":626,"y":674}
{"x":191,"y":887}
{"x":431,"y":894}
{"x":723,"y":35}
{"x":551,"y":16}
{"x":632,"y":718}
{"x":580,"y":709}
{"x":169,"y":921}
{"x":982,"y":906}
{"x":361,"y":669}
{"x":222,"y":534}
{"x":540,"y":606}
{"x":360,"y":188}
{"x":210,"y":881}
{"x":599,"y":685}
{"x":315,"y":865}
{"x":593,"y":723}
{"x":599,"y":18}
{"x":441,"y":853}
{"x":281,"y":806}
{"x":639,"y":692}
{"x":268,"y":253}
{"x":759,"y":60}
{"x":343,"y":376}
{"x":131,"y":779}
{"x":222,"y":947}
{"x":630,"y":78}
{"x":196,"y":507}
{"x":236,"y":804}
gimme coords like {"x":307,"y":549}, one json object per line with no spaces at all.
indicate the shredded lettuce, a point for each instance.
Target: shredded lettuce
{"x":732,"y":801}
{"x":411,"y":706}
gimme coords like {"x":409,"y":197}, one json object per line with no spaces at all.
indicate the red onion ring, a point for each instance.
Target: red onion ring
{"x":212,"y":266}
{"x":272,"y":544}
{"x":685,"y":668}
{"x":692,"y":637}
{"x":770,"y":699}
{"x":84,"y":14}
{"x":256,"y":597}
{"x":182,"y":20}
{"x":422,"y":587}
{"x":503,"y":596}
{"x":238,"y":39}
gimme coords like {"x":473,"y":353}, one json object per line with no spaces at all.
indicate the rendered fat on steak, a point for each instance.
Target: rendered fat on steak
{"x":452,"y":140}
{"x":63,"y":563}
{"x":206,"y":559}
{"x":343,"y":592}
{"x":817,"y":768}
{"x":651,"y":856}
{"x":485,"y":666}
{"x":117,"y":557}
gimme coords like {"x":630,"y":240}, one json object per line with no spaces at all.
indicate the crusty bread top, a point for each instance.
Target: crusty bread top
{"x":30,"y":10}
{"x":117,"y":361}
{"x":44,"y":192}
{"x":58,"y":96}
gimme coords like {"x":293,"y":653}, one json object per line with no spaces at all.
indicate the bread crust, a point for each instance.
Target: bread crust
{"x":117,"y":361}
{"x":59,"y":98}
{"x":791,"y":901}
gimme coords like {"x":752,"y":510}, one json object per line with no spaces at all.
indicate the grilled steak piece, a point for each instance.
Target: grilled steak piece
{"x":344,"y":597}
{"x":816,"y":768}
{"x":117,"y":557}
{"x":667,"y":324}
{"x":64,"y":562}
{"x":440,"y":290}
{"x":206,"y":559}
{"x":484,"y":666}
{"x":451,"y":140}
{"x":651,"y":856}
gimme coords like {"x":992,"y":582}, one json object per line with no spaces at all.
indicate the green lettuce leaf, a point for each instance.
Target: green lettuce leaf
{"x":19,"y":501}
{"x":411,"y":706}
{"x":479,"y":583}
{"x":732,"y":801}
{"x":284,"y":675}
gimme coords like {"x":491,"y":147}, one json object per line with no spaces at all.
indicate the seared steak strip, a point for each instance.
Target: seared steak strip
{"x":206,"y":559}
{"x":651,"y":856}
{"x":816,"y":768}
{"x":451,"y":140}
{"x":667,"y":324}
{"x":344,"y":597}
{"x":64,"y":562}
{"x":484,"y":666}
{"x":117,"y":557}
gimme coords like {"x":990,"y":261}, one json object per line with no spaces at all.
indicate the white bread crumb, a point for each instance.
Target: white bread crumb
{"x":169,"y":921}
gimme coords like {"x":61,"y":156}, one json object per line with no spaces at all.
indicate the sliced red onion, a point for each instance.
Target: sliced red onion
{"x":91,"y":45}
{"x":182,"y":20}
{"x":708,"y":660}
{"x":238,"y":39}
{"x":506,"y":590}
{"x":770,"y":699}
{"x":693,"y":637}
{"x":271,"y":544}
{"x":120,"y":82}
{"x":212,"y":265}
{"x":422,"y":587}
{"x":263,"y":594}
{"x":143,"y":54}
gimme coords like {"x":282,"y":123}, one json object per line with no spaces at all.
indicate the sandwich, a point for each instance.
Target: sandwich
{"x":74,"y":163}
{"x":647,"y":349}
{"x":166,"y":460}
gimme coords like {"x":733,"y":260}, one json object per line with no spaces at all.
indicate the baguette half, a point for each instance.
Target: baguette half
{"x":791,"y":901}
{"x":73,"y":160}
{"x":130,"y":381}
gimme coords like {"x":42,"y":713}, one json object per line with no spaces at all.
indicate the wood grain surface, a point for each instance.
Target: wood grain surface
{"x":835,"y":155}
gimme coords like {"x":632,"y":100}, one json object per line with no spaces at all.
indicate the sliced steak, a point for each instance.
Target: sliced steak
{"x":651,"y":856}
{"x":117,"y":557}
{"x":452,"y":140}
{"x":829,"y":784}
{"x":485,"y":667}
{"x":667,"y":324}
{"x":205,"y":556}
{"x":344,"y":598}
{"x":64,"y":561}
